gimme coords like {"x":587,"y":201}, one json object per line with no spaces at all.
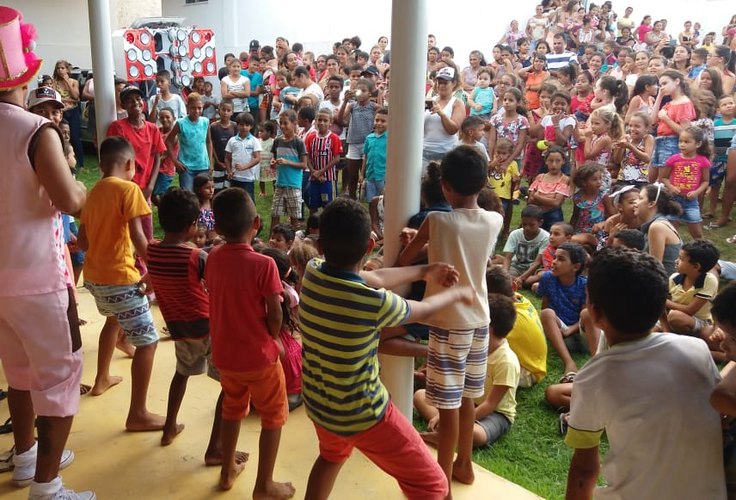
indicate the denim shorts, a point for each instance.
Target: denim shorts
{"x":494,"y":426}
{"x":664,"y":147}
{"x":690,"y":211}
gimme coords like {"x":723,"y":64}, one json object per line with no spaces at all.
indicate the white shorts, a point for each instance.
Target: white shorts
{"x":355,"y":152}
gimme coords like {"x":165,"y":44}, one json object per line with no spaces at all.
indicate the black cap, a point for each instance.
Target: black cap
{"x":128,"y":90}
{"x":255,"y":44}
{"x":370,"y":70}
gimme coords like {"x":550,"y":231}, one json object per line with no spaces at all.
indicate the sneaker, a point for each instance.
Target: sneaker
{"x":62,"y":494}
{"x":24,"y":465}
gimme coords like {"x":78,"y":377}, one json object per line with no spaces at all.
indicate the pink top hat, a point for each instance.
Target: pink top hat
{"x":18,"y":64}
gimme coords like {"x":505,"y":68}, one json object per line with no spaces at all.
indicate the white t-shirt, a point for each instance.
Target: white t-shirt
{"x":175,"y":104}
{"x":448,"y":242}
{"x":525,"y":251}
{"x":242,"y":153}
{"x":652,"y":399}
{"x":567,"y":121}
{"x":240,"y":104}
{"x":315,"y":90}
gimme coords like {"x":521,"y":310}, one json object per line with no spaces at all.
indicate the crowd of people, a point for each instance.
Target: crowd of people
{"x":629,"y":130}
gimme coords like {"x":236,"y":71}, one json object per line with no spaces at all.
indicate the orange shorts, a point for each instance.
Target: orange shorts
{"x":266,"y":387}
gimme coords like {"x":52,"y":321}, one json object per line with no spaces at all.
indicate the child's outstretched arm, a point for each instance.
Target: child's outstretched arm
{"x":413,"y":250}
{"x":391,"y":277}
{"x":430,"y":305}
{"x":583,"y":474}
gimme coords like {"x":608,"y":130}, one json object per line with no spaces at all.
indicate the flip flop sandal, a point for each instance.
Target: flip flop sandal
{"x":567,"y":378}
{"x":564,"y":417}
{"x":7,"y":427}
{"x":3,"y":394}
{"x":6,"y":460}
{"x":730,"y":239}
{"x":84,"y":389}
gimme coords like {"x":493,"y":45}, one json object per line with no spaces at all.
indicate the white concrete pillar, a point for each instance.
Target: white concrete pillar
{"x":103,"y":69}
{"x":404,"y":162}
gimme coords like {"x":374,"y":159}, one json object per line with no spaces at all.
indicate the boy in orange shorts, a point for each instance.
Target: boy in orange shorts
{"x":245,"y":320}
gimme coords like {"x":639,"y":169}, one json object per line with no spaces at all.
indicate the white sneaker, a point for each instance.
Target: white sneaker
{"x":24,"y":465}
{"x":40,"y":491}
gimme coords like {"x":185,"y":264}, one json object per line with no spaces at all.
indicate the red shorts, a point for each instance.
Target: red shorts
{"x":396,"y":448}
{"x":267,"y":387}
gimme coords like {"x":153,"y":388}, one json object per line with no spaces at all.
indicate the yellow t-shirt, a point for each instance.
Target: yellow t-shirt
{"x":503,"y":369}
{"x":501,"y":183}
{"x":706,"y":290}
{"x":527,"y":338}
{"x":111,"y":204}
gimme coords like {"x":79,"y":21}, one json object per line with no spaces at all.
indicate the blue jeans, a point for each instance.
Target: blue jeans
{"x":373,"y":188}
{"x":186,"y":178}
{"x":74,"y":117}
{"x":552,"y":217}
{"x":245,"y":185}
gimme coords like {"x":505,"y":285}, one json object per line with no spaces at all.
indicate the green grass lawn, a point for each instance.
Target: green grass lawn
{"x":532,"y":454}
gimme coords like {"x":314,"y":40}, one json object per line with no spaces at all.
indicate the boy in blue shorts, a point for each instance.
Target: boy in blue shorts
{"x":642,"y":392}
{"x":343,"y":395}
{"x":111,"y":226}
{"x":563,"y":299}
{"x":458,"y":335}
{"x":373,"y":171}
{"x":324,"y":150}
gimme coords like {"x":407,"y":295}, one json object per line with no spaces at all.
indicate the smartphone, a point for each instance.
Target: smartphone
{"x":428,"y":104}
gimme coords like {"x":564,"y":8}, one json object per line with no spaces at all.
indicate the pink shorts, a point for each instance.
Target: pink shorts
{"x":40,"y":349}
{"x":396,"y":448}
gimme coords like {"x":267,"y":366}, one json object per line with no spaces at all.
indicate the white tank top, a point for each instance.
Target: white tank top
{"x":436,"y":138}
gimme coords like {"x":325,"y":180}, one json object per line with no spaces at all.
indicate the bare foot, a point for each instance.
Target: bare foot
{"x":124,"y":345}
{"x":430,"y":437}
{"x":215,"y":458}
{"x":103,"y":385}
{"x":275,"y":491}
{"x":463,"y":472}
{"x":227,"y":479}
{"x":145,"y":423}
{"x":170,"y":435}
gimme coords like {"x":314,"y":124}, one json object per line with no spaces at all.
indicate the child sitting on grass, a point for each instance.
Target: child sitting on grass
{"x":641,"y":392}
{"x":496,"y":409}
{"x":282,"y":237}
{"x":560,"y":233}
{"x":111,"y":228}
{"x":177,"y":273}
{"x":692,"y":288}
{"x":526,"y":338}
{"x":371,"y":422}
{"x":525,"y":243}
{"x":563,"y":299}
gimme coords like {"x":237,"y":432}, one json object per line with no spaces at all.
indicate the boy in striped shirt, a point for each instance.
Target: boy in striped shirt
{"x":341,"y":312}
{"x":176,"y":270}
{"x":323,"y":153}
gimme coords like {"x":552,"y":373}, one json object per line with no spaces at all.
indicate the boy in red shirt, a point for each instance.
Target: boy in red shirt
{"x":147,"y":142}
{"x":245,"y":321}
{"x":323,"y":154}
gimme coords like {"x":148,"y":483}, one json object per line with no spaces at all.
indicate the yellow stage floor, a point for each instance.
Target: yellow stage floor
{"x":116,"y":464}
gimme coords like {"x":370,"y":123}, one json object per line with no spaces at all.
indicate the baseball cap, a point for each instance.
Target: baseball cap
{"x":128,"y":90}
{"x":44,"y":94}
{"x":370,"y":70}
{"x":446,"y":74}
{"x":255,"y":44}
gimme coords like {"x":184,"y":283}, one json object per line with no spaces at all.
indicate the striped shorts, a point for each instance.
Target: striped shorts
{"x":456,"y":366}
{"x":130,"y":307}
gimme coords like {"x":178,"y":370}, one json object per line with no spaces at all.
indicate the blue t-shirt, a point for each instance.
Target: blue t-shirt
{"x":282,"y":97}
{"x":565,"y":301}
{"x":291,"y":150}
{"x":485,"y":98}
{"x":256,"y":80}
{"x":374,"y":150}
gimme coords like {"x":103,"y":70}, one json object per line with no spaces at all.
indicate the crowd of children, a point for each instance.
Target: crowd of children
{"x":608,"y":265}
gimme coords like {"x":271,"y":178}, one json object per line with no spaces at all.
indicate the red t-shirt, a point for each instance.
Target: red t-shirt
{"x":239,"y":280}
{"x":678,"y":113}
{"x":322,"y":150}
{"x":146,"y":141}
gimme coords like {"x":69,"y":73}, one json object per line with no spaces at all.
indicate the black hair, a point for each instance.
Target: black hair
{"x":502,"y":314}
{"x":313,"y":221}
{"x":284,"y":230}
{"x":307,"y":113}
{"x":199,"y":182}
{"x":629,"y":288}
{"x":64,"y":122}
{"x":115,"y":150}
{"x":618,"y":90}
{"x":289,"y":114}
{"x":360,"y":53}
{"x":229,"y":54}
{"x":699,"y":136}
{"x":356,"y":41}
{"x":449,"y":49}
{"x":367,"y":82}
{"x":567,"y":229}
{"x":246,"y":119}
{"x":488,"y":200}
{"x":464,"y":170}
{"x":178,"y":209}
{"x":470,"y":122}
{"x":569,"y":70}
{"x":631,"y":238}
{"x":562,"y":94}
{"x":297,"y":47}
{"x":332,"y":57}
{"x":532,"y":211}
{"x":642,"y":83}
{"x":283,"y":266}
{"x":723,"y":310}
{"x":165,"y":74}
{"x":335,"y":78}
{"x":586,"y":171}
{"x":577,"y":254}
{"x":432,"y":185}
{"x":269,"y":126}
{"x":499,"y":281}
{"x":234,"y":213}
{"x":703,"y":253}
{"x":556,"y":149}
{"x":344,"y":231}
{"x":666,"y":204}
{"x":383,"y":110}
{"x":300,"y":71}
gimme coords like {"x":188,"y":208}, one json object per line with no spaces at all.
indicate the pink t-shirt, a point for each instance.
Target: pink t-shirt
{"x":686,"y":174}
{"x":239,"y":280}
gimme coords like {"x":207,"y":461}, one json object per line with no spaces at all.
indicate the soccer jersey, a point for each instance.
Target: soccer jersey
{"x":322,"y":150}
{"x":340,"y":317}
